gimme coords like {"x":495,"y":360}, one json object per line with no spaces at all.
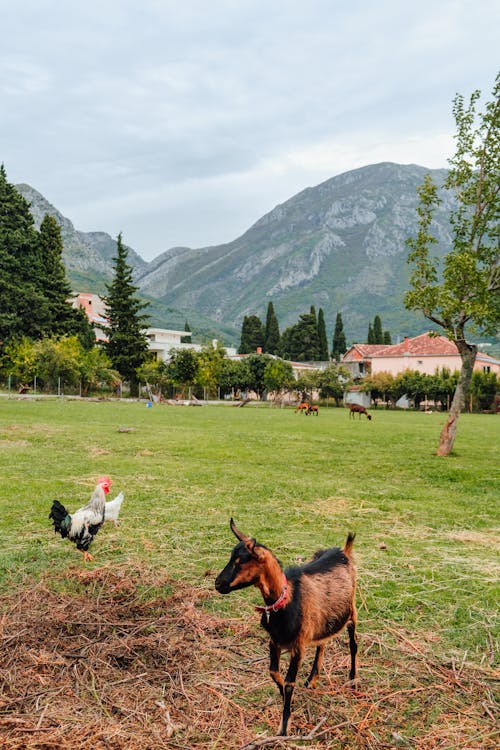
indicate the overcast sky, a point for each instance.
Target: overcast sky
{"x":182,"y":123}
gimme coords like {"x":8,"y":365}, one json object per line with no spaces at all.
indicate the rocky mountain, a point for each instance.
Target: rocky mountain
{"x":88,"y":260}
{"x":86,"y":255}
{"x":339,"y":246}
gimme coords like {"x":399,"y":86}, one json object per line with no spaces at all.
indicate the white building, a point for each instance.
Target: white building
{"x":162,"y":340}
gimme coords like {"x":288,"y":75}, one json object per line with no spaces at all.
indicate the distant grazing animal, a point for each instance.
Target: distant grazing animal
{"x":357,"y":408}
{"x":313,"y":410}
{"x":303,"y":406}
{"x":81,"y":526}
{"x":303,"y":604}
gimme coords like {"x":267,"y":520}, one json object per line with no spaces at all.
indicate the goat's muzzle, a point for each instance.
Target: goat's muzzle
{"x":222,"y":585}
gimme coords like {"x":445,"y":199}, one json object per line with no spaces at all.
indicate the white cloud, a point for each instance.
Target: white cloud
{"x":184,"y":123}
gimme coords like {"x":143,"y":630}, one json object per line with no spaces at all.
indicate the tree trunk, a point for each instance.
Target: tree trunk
{"x":447,"y":438}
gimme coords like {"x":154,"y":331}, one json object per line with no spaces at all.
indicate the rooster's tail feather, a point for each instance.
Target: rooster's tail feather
{"x":60,"y":518}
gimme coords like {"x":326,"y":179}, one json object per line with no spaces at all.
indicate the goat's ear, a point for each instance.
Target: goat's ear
{"x":237,"y":533}
{"x":255,"y":549}
{"x":250,"y":545}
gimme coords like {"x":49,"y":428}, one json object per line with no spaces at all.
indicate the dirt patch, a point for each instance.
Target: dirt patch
{"x":115,"y":665}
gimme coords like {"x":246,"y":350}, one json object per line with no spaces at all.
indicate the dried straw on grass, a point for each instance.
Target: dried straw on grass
{"x":113,"y":667}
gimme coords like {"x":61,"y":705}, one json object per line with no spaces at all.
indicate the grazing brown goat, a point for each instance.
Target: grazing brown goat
{"x":358,"y":409}
{"x":313,"y":410}
{"x":303,"y":406}
{"x":303,"y":604}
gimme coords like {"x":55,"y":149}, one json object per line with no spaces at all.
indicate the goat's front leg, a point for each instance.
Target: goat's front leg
{"x":274,"y":666}
{"x":291,"y":675}
{"x":315,"y":669}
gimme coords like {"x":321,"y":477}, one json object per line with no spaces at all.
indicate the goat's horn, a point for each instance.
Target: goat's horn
{"x":237,"y":533}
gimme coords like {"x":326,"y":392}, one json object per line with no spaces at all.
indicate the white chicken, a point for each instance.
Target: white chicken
{"x":113,"y":509}
{"x":82,"y":526}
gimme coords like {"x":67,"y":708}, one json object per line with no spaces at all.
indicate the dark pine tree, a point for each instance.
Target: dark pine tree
{"x":272,"y":331}
{"x":252,"y":335}
{"x":378,"y":336}
{"x":323,"y":340}
{"x":387,"y":338}
{"x":339,"y":345}
{"x":301,"y":341}
{"x":127,"y":345}
{"x":23,"y":308}
{"x":63,"y":318}
{"x":371,"y":335}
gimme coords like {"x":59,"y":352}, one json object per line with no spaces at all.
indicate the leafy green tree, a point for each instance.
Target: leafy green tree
{"x":339,"y":346}
{"x":252,"y":335}
{"x":272,"y":331}
{"x":278,"y":376}
{"x":156,"y":375}
{"x":333,"y":382}
{"x":234,"y":375}
{"x":257,"y":364}
{"x":379,"y":385}
{"x":463,"y":292}
{"x":58,"y":361}
{"x":18,"y":360}
{"x":323,"y":341}
{"x":182,"y":367}
{"x":210,"y":360}
{"x":95,"y":369}
{"x":306,"y":384}
{"x":484,"y":387}
{"x":127,"y":345}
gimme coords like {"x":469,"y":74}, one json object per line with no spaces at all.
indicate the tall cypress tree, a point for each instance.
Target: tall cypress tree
{"x":339,"y":345}
{"x":272,"y":331}
{"x":371,"y":336}
{"x":252,"y":335}
{"x":301,"y":341}
{"x":323,"y":341}
{"x":187,"y":328}
{"x":378,"y":336}
{"x":127,"y":344}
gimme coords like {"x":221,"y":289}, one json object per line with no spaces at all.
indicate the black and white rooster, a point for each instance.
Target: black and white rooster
{"x":82,"y":526}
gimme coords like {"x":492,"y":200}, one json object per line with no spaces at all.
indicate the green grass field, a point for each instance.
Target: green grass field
{"x":427,"y":527}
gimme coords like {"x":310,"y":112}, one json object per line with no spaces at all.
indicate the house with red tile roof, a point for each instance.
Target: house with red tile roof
{"x":425,"y":353}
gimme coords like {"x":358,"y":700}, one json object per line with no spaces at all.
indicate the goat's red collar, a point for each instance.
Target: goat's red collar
{"x":280,"y":602}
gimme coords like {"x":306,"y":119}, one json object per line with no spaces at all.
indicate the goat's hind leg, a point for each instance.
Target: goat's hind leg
{"x":353,"y":648}
{"x":316,"y":667}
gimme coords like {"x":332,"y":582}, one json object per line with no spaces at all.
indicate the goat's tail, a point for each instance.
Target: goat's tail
{"x":348,"y":545}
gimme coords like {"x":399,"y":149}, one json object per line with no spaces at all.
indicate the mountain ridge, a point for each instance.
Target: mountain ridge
{"x":339,"y":245}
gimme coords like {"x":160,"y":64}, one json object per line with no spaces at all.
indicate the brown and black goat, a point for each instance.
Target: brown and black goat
{"x":305,"y":604}
{"x":359,"y":410}
{"x":312,"y":409}
{"x":302,"y":406}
